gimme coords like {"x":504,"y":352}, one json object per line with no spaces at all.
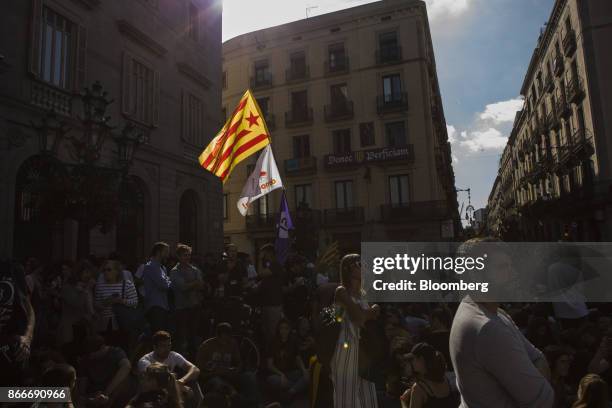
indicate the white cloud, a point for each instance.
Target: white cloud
{"x":446,"y":8}
{"x":503,"y":111}
{"x":452,"y":133}
{"x":489,"y":139}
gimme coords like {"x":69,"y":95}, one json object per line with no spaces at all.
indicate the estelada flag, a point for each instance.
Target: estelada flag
{"x":244,"y":133}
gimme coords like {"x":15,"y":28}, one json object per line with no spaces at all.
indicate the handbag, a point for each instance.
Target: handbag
{"x":130,"y":319}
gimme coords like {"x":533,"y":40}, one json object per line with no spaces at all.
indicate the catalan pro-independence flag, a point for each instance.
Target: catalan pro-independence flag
{"x":244,"y":133}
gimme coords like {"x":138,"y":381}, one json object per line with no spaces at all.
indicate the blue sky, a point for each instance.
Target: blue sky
{"x":482,"y":50}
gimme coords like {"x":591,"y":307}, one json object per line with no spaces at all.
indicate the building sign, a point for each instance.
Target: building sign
{"x":385,"y":154}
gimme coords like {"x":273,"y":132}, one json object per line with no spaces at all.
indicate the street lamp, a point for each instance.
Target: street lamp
{"x":50,"y":132}
{"x":88,"y":145}
{"x":127,"y":143}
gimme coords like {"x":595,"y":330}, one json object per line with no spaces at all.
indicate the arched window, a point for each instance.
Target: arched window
{"x":188,"y":219}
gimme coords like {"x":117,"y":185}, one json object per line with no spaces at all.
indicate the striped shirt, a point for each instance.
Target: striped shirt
{"x":106,"y":290}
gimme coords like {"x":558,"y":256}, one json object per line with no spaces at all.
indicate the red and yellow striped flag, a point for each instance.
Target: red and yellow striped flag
{"x":244,"y":133}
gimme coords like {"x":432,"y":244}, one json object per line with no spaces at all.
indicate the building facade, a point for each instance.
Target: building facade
{"x":160,"y":61}
{"x":354,"y":109}
{"x":554,"y":180}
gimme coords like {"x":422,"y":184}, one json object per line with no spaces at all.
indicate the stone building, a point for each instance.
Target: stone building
{"x":160,"y":61}
{"x":354,"y":108}
{"x":556,"y":169}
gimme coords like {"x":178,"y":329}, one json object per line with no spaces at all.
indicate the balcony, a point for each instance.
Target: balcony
{"x":300,"y":166}
{"x":343,"y":216}
{"x":339,"y":65}
{"x":261,"y":222}
{"x":339,"y":111}
{"x":304,"y":216}
{"x":261,"y":81}
{"x":562,"y":109}
{"x":382,"y":156}
{"x":549,"y":84}
{"x":392,"y":103}
{"x":297,"y":73}
{"x":389,"y":55}
{"x":52,"y":98}
{"x":558,"y":66}
{"x":298,"y":117}
{"x":575,"y":91}
{"x":581,"y":146}
{"x":414,"y":211}
{"x":569,"y":43}
{"x":553,"y":118}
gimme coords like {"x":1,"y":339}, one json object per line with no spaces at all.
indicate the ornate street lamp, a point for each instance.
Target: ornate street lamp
{"x":50,"y":132}
{"x":87,"y":146}
{"x":127,"y":143}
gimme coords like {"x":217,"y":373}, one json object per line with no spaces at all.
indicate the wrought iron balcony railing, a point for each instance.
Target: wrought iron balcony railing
{"x":338,"y":111}
{"x":392,"y":102}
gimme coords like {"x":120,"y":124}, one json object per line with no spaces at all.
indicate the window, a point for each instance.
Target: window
{"x":344,"y":194}
{"x":298,"y":64}
{"x":398,"y":190}
{"x":366,"y":134}
{"x":301,"y":146}
{"x":339,"y":94}
{"x":342,"y":141}
{"x":225,"y":206}
{"x":224,"y":114}
{"x":395,"y":134}
{"x":337,"y":57}
{"x":140,"y":91}
{"x":57,"y":49}
{"x":392,"y":88}
{"x":192,"y":119}
{"x":299,"y":104}
{"x":389,"y":50}
{"x":262,"y":206}
{"x":194,"y":24}
{"x":568,"y":24}
{"x":262,"y":72}
{"x":224,"y":80}
{"x":303,"y":196}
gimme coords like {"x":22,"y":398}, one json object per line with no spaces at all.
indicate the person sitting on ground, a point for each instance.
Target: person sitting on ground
{"x":103,"y":373}
{"x":158,"y":389}
{"x":59,"y":375}
{"x":432,"y":388}
{"x":162,"y":353}
{"x":222,"y":371}
{"x":592,"y":393}
{"x":288,"y":373}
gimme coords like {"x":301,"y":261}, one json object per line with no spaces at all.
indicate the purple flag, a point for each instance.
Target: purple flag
{"x":283,"y":241}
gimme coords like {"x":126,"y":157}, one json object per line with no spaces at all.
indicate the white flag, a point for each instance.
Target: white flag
{"x":264,"y":179}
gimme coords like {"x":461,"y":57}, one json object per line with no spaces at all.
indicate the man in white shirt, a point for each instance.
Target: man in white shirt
{"x":162,"y":353}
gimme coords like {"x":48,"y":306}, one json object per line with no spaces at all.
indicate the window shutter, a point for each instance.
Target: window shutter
{"x":126,"y":106}
{"x":35,"y":33}
{"x":156,"y":107}
{"x":81,"y":59}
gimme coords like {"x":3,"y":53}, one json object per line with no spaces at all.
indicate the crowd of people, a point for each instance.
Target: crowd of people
{"x":227,"y":331}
